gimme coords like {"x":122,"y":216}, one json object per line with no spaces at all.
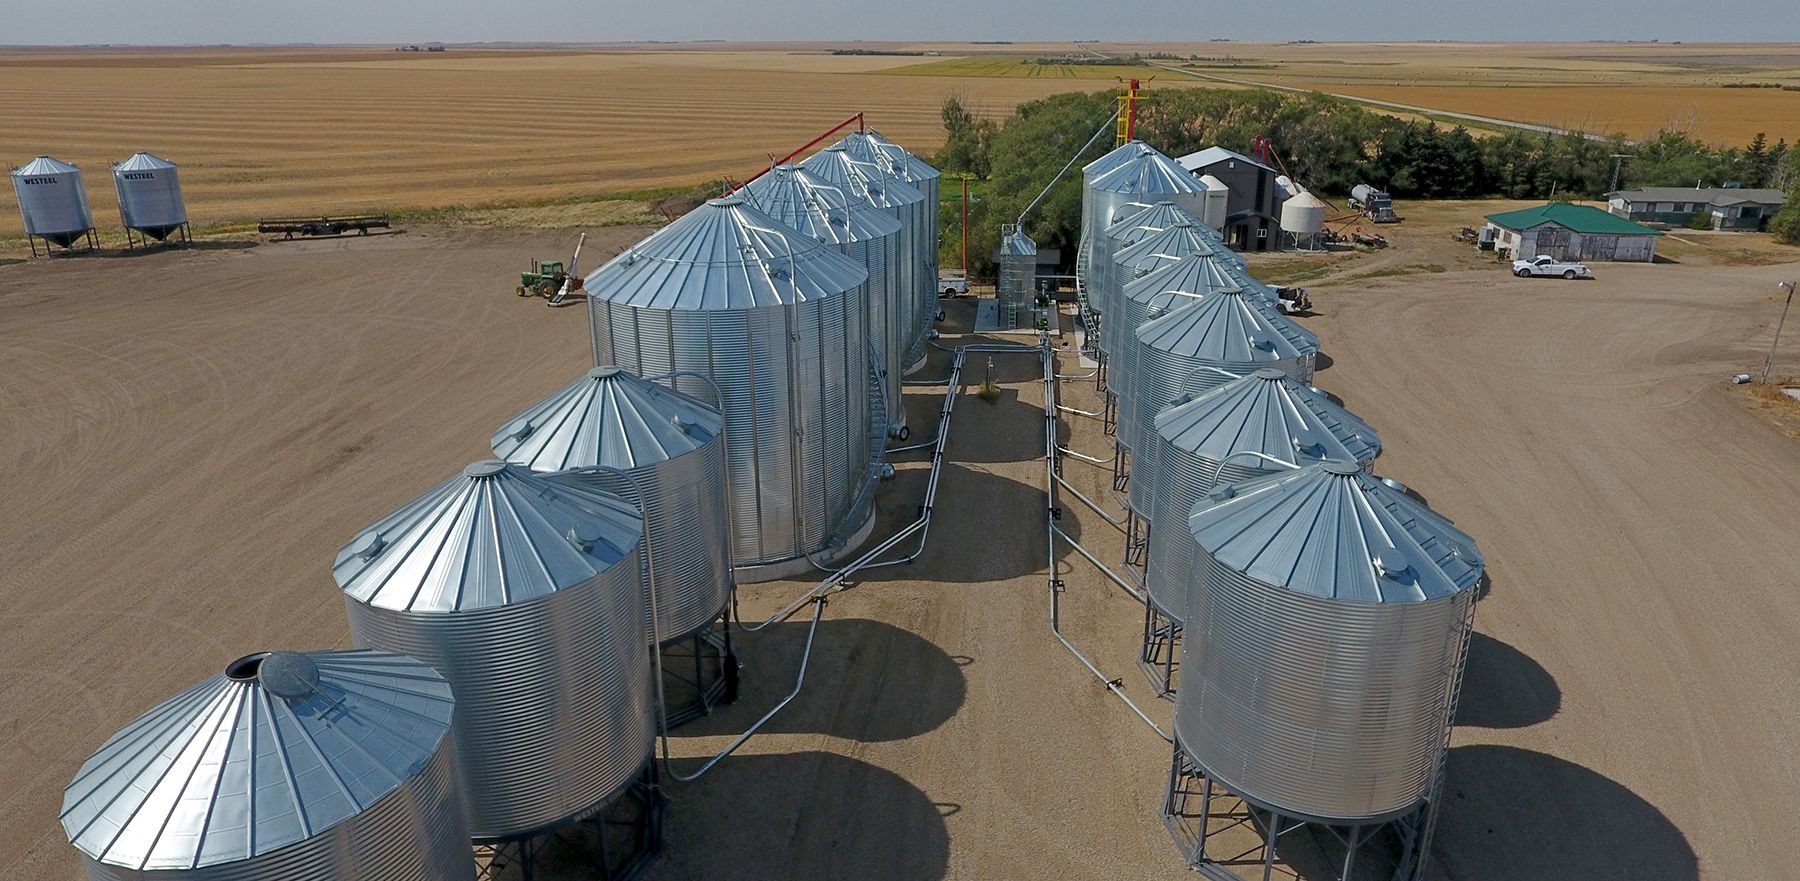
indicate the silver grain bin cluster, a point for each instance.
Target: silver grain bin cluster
{"x":780,"y":323}
{"x":1327,"y":624}
{"x":1143,"y":177}
{"x":909,"y":168}
{"x":150,"y":202}
{"x":53,"y":201}
{"x":1134,"y":223}
{"x":525,"y":591}
{"x":1193,"y":347}
{"x":885,"y":186}
{"x":1016,"y":290}
{"x":1171,"y":287}
{"x":835,"y":215}
{"x":286,"y":766}
{"x":1149,"y":253}
{"x":1243,"y":429}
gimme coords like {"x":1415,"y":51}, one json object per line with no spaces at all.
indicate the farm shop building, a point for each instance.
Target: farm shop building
{"x":1253,"y":210}
{"x":1724,"y":207}
{"x":1571,"y":232}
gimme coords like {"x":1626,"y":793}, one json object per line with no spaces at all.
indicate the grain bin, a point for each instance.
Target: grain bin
{"x":1133,"y":223}
{"x":1218,"y":197}
{"x":1168,"y":287}
{"x":1016,"y":292}
{"x":926,"y":178}
{"x":150,"y":200}
{"x":1302,"y":217}
{"x":1327,"y":624}
{"x":525,"y":591}
{"x":780,"y":323}
{"x":1146,"y":177}
{"x":1156,"y":251}
{"x":836,"y":216}
{"x":286,"y":766}
{"x":53,"y":200}
{"x":915,"y":215}
{"x":1266,"y":412}
{"x":1090,"y":228}
{"x":1229,"y":330}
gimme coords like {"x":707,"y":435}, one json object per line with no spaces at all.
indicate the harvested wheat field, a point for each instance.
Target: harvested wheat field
{"x":195,"y":433}
{"x":262,"y":133}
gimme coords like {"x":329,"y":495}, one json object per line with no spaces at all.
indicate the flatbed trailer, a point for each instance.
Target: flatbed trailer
{"x":288,"y":227}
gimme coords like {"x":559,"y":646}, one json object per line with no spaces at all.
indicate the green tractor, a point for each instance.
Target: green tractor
{"x":548,"y":278}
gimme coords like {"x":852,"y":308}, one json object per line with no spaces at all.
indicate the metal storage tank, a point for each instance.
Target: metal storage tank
{"x":1327,"y":624}
{"x":779,"y":322}
{"x":835,"y":216}
{"x":1016,"y":292}
{"x":926,"y":178}
{"x":1090,"y":229}
{"x":921,"y":287}
{"x":1218,"y":197}
{"x":1169,"y":287}
{"x":1147,"y":177}
{"x":1132,"y":224}
{"x":286,"y":766}
{"x":1229,"y":330}
{"x":673,"y":447}
{"x":150,"y":200}
{"x":525,"y":591}
{"x":54,"y":202}
{"x":1302,"y":217}
{"x":1265,"y":412}
{"x":1156,"y":251}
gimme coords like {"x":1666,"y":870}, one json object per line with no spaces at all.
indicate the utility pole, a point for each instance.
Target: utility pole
{"x":1769,"y":362}
{"x":965,"y":231}
{"x":1618,"y":160}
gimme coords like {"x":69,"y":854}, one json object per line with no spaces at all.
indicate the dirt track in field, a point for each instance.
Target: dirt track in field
{"x":189,"y":437}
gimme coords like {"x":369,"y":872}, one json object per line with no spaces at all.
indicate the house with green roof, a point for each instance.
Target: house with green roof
{"x":1571,"y":232}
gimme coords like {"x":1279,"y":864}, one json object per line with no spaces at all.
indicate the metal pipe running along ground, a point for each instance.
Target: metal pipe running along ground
{"x":817,"y":596}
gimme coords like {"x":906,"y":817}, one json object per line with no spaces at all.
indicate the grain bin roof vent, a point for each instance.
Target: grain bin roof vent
{"x":323,"y":764}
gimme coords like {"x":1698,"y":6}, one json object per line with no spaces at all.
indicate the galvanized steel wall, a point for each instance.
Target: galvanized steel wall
{"x":1322,"y":709}
{"x":1176,"y":480}
{"x":149,"y":194}
{"x":794,"y":379}
{"x":553,"y":695}
{"x":52,"y":198}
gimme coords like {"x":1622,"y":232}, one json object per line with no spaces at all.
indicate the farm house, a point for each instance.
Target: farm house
{"x":1571,"y":232}
{"x":1725,"y":207}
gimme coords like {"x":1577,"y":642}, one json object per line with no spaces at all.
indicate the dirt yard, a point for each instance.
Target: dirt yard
{"x":190,"y":436}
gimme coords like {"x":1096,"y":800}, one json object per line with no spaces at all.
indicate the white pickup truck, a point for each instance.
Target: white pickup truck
{"x":1545,"y":266}
{"x":953,"y":285}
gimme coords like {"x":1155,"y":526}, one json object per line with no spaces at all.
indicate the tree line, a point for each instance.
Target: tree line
{"x":1329,"y":145}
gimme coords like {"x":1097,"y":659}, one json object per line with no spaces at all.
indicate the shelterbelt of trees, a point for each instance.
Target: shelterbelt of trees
{"x":1328,"y":145}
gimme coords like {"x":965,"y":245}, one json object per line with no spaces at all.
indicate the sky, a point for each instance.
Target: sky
{"x":68,"y":22}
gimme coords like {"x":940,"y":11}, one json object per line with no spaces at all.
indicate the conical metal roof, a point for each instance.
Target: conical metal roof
{"x":1152,"y":218}
{"x":1148,"y":173}
{"x":1229,"y":326}
{"x":1114,"y":158}
{"x":825,"y":211}
{"x":1331,"y":530}
{"x":911,"y":167}
{"x":494,"y":535}
{"x":1193,"y":275}
{"x":275,"y":750}
{"x":1017,"y":244}
{"x":725,"y":254}
{"x":610,"y":417}
{"x":1268,"y":412}
{"x":836,"y":166}
{"x":143,"y":162}
{"x":44,"y":165}
{"x":1179,"y":239}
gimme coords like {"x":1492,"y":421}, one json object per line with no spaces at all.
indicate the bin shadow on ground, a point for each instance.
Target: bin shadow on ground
{"x":1512,"y":813}
{"x":802,"y":815}
{"x":867,"y":681}
{"x":984,"y":527}
{"x":1504,"y":688}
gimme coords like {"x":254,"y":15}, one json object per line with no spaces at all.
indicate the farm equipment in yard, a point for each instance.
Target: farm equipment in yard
{"x":288,"y":227}
{"x":548,"y":278}
{"x":1292,"y":301}
{"x":1368,"y":239}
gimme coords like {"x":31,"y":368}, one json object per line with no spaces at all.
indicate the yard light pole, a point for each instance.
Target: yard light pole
{"x":1769,"y":362}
